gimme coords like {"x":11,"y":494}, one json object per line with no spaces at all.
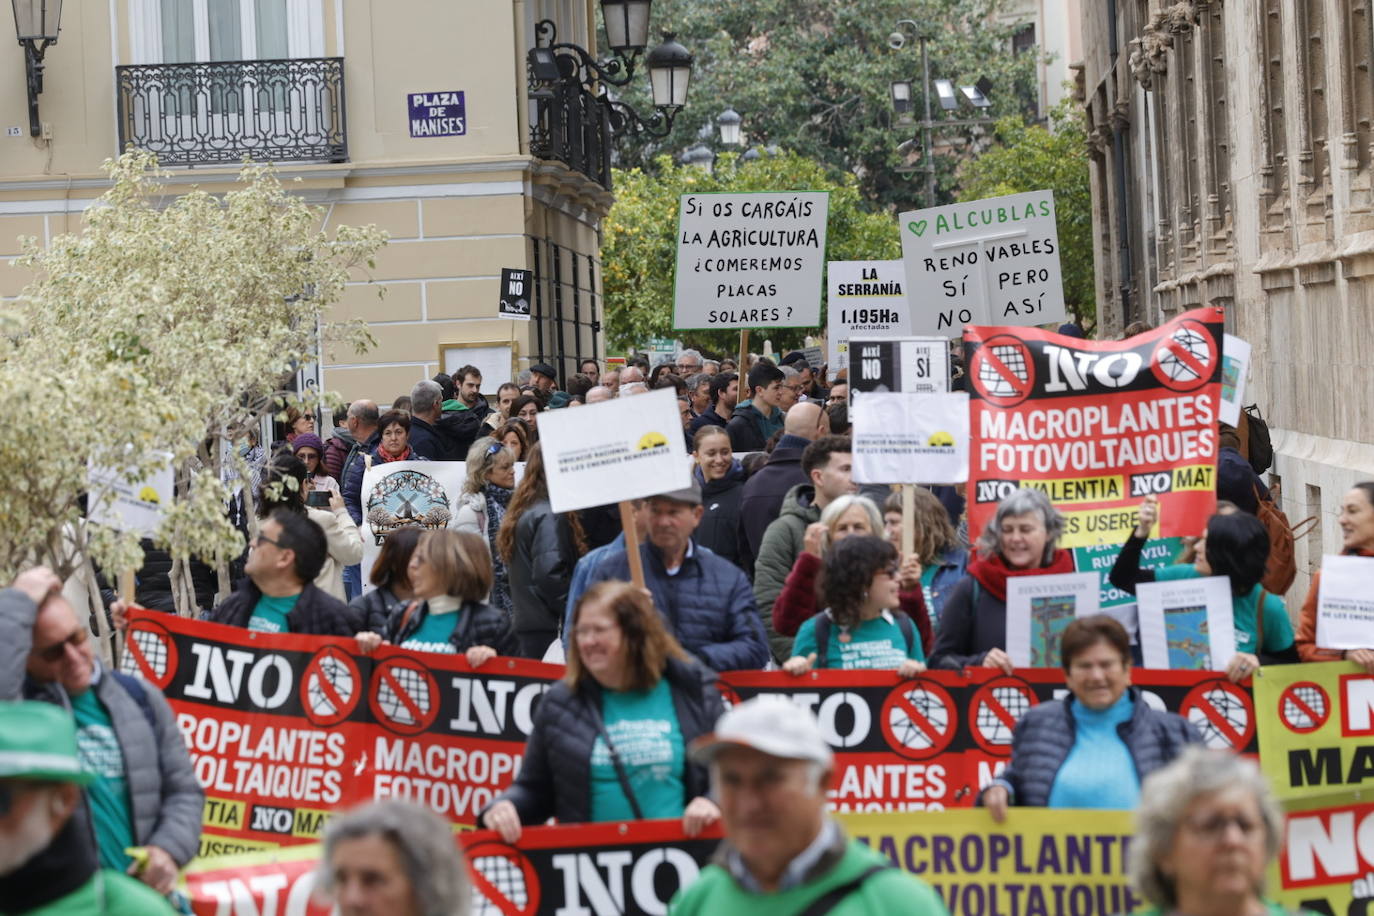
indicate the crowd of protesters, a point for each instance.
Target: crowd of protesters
{"x":772,"y":558}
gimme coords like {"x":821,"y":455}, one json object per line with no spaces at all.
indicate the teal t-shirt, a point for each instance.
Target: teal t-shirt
{"x":1278,"y":629}
{"x":432,"y":634}
{"x":644,"y":729}
{"x":108,"y":893}
{"x":269,"y":614}
{"x":1099,"y":771}
{"x":874,"y":644}
{"x":100,"y":754}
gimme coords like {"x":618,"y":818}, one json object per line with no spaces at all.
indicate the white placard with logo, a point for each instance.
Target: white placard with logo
{"x":131,"y":505}
{"x":1187,"y":623}
{"x":1235,"y":372}
{"x":986,"y":262}
{"x":1345,"y":603}
{"x":863,"y":299}
{"x":1040,"y":608}
{"x":750,"y":260}
{"x":407,"y":494}
{"x":911,"y":364}
{"x":625,"y":448}
{"x":910,"y":438}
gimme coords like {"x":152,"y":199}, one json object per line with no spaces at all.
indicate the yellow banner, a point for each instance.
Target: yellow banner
{"x":1316,"y":729}
{"x":1039,"y":861}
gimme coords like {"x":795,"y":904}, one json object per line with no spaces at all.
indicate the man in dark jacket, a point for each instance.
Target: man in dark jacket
{"x":425,"y":410}
{"x":338,"y":445}
{"x":362,"y":424}
{"x":754,"y":421}
{"x":764,"y":492}
{"x":705,"y":600}
{"x":545,"y":379}
{"x":468,"y":381}
{"x":279,"y":595}
{"x":724,"y":396}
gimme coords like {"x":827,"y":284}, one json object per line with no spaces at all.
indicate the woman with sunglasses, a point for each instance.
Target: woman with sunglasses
{"x":863,"y":625}
{"x":482,"y":506}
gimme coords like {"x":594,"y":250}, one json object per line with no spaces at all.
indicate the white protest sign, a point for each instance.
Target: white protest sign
{"x":750,"y":260}
{"x":1039,"y":608}
{"x":1345,"y":603}
{"x":993,"y":261}
{"x":1235,"y":371}
{"x":864,"y":299}
{"x":912,"y":364}
{"x":136,"y":505}
{"x":910,"y":438}
{"x":407,"y":494}
{"x":1187,"y":623}
{"x":626,"y":448}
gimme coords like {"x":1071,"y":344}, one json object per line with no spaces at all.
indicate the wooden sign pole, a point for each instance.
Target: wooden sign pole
{"x":743,"y":355}
{"x":627,"y":523}
{"x":908,"y":519}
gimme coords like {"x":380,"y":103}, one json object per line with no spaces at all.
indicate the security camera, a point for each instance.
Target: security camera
{"x":896,"y":41}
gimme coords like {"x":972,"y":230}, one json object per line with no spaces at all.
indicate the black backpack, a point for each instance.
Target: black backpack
{"x":1260,"y":448}
{"x":823,"y":635}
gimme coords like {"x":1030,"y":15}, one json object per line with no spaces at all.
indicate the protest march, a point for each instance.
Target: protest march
{"x":960,"y":612}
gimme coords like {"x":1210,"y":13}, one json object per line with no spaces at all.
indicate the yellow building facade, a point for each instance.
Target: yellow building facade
{"x":356,"y":102}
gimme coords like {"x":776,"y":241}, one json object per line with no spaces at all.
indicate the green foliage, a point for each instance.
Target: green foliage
{"x":639,"y":249}
{"x":1031,"y":158}
{"x":814,"y":76}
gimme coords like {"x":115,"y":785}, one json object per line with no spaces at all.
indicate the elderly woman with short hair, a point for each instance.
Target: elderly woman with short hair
{"x":1207,"y":830}
{"x":1091,"y":748}
{"x":1021,"y":540}
{"x":393,"y":857}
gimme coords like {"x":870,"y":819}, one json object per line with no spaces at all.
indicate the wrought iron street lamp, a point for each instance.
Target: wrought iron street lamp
{"x":36,"y":24}
{"x":729,"y":122}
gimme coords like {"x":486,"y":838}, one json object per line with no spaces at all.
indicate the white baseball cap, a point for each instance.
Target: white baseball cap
{"x":770,"y":724}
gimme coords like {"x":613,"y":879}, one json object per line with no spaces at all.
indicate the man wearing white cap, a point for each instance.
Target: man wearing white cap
{"x":783,"y":855}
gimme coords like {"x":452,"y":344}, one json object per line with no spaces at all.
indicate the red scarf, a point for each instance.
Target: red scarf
{"x":384,"y":456}
{"x":992,"y":572}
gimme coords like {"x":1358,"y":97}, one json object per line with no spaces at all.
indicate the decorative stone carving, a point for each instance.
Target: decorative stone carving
{"x":1149,"y":52}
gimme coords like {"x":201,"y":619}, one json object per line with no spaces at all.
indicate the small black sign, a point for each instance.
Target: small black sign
{"x":515,"y":293}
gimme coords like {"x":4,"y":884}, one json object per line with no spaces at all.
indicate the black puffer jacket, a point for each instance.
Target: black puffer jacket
{"x":540,"y":567}
{"x":1045,"y":734}
{"x":457,"y":430}
{"x":315,"y":614}
{"x":555,"y":776}
{"x":719,"y":527}
{"x":374,"y":609}
{"x":479,"y":624}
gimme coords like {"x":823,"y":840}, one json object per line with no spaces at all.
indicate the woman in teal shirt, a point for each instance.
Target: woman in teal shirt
{"x":609,"y":741}
{"x":1235,"y":545}
{"x":862,"y":625}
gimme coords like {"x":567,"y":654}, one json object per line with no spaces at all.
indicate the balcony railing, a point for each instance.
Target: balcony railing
{"x":571,"y":125}
{"x":223,"y":112}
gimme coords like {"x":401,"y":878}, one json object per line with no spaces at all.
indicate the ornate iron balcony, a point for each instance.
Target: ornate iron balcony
{"x":225,"y":111}
{"x":572,"y":126}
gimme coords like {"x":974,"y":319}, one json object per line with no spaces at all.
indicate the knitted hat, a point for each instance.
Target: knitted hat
{"x":307,"y":440}
{"x":38,"y":741}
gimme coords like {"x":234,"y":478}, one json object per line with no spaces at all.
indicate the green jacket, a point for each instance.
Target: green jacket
{"x":778,"y":551}
{"x":108,"y":893}
{"x":717,"y":893}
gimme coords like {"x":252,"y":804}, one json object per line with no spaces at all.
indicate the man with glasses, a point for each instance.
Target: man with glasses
{"x":144,"y":792}
{"x":688,"y":363}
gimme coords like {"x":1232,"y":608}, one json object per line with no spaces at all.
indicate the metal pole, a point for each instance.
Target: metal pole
{"x":926,"y":127}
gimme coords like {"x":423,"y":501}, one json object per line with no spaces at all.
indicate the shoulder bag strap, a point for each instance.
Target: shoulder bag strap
{"x":822,"y":632}
{"x":908,"y":628}
{"x":405,"y":619}
{"x":616,"y":762}
{"x":1259,"y":622}
{"x":832,"y":898}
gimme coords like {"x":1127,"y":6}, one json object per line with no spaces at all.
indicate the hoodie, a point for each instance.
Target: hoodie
{"x":750,"y":430}
{"x":782,"y":542}
{"x":719,"y":527}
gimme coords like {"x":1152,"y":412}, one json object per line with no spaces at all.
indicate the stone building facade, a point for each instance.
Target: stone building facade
{"x":1231,"y":166}
{"x":324,"y":88}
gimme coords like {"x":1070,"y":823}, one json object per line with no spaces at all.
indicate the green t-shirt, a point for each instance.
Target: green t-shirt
{"x":1278,"y":629}
{"x":1270,"y":909}
{"x":99,"y":750}
{"x":269,"y":614}
{"x":644,"y":729}
{"x":874,"y":644}
{"x":108,"y":893}
{"x":432,"y":634}
{"x":891,"y":891}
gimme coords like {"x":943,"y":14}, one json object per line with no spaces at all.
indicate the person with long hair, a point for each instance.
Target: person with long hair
{"x":487,"y":492}
{"x":284,"y":487}
{"x":526,"y":408}
{"x":390,"y":575}
{"x":609,"y":741}
{"x":1235,"y":545}
{"x":515,"y":436}
{"x":1356,"y":520}
{"x":540,"y":550}
{"x":936,"y":543}
{"x":721,"y":479}
{"x":863,"y":625}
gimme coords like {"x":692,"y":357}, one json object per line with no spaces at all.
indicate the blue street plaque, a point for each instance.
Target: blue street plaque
{"x":438,"y":114}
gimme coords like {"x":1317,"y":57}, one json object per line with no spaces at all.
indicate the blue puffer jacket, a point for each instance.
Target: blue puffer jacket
{"x":1045,"y":734}
{"x":708,"y":605}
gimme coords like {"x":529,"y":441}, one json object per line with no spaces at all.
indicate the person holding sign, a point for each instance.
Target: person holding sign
{"x":1091,"y":749}
{"x":450,"y":576}
{"x":1021,"y":540}
{"x":1234,"y":545}
{"x":863,"y":625}
{"x":1357,"y":539}
{"x":609,"y":740}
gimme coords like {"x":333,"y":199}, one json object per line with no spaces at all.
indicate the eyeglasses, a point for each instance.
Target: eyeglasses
{"x":1213,"y":829}
{"x":54,"y":653}
{"x":262,"y":537}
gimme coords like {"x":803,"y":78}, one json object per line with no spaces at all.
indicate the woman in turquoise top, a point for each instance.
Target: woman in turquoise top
{"x":862,"y":625}
{"x":1235,"y":545}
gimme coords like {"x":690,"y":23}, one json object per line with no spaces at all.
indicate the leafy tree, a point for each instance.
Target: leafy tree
{"x":639,"y":249}
{"x":814,"y":76}
{"x":160,"y":328}
{"x":1031,"y":158}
